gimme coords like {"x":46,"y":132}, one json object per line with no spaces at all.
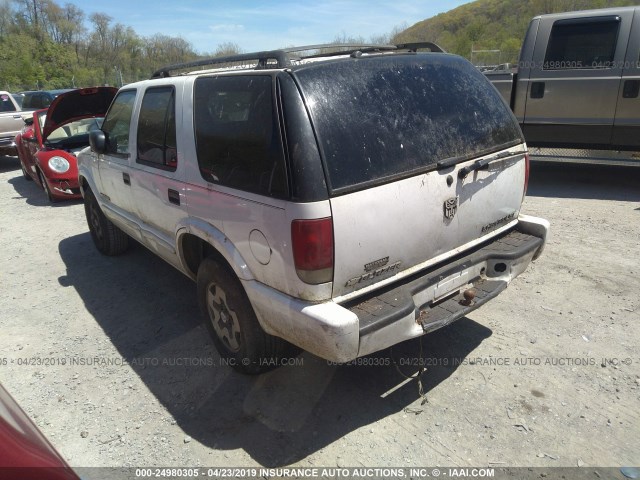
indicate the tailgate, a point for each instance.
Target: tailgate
{"x":390,"y":231}
{"x":394,"y":131}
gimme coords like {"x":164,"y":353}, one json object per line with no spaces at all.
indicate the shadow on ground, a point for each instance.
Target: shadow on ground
{"x":35,"y":195}
{"x":149,"y":312}
{"x":602,"y":182}
{"x":9,"y":164}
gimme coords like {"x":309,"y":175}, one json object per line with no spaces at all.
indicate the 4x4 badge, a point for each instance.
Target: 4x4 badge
{"x":450,"y":207}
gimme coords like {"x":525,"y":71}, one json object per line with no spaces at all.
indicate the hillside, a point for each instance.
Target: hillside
{"x":491,"y":25}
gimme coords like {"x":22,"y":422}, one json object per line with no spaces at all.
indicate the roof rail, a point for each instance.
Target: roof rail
{"x":413,"y":47}
{"x":346,"y":47}
{"x":282,"y":58}
{"x":262,"y":58}
{"x":339,"y":49}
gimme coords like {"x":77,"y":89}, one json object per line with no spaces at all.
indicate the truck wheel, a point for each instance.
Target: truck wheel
{"x":45,"y":187}
{"x":232,"y":323}
{"x":108,"y":238}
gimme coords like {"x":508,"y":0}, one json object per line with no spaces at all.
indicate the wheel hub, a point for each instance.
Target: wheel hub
{"x":223,"y":319}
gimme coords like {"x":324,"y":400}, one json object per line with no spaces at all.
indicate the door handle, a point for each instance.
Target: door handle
{"x":631,"y":89}
{"x":537,"y":90}
{"x":174,"y":196}
{"x":126,"y":178}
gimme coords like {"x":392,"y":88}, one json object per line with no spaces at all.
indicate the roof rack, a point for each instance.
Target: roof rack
{"x":282,"y":58}
{"x":263,"y":59}
{"x":413,"y":47}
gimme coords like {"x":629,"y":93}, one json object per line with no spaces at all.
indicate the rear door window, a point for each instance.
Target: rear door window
{"x":582,"y":43}
{"x":386,"y":117}
{"x":157,"y":129}
{"x":238,"y":140}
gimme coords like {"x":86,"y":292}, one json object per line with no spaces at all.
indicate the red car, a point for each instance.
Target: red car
{"x":26,"y":454}
{"x":48,"y":144}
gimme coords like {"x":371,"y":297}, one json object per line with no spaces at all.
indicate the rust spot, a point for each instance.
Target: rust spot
{"x":468,"y":295}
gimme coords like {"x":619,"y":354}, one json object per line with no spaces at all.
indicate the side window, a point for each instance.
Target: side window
{"x":237,"y":136}
{"x":6,"y":105}
{"x":117,"y":122}
{"x":35,"y":100}
{"x":582,"y":43}
{"x":45,"y":100}
{"x":29,"y":101}
{"x":157,"y":129}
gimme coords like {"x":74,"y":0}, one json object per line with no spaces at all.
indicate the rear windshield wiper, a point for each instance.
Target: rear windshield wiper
{"x":464,"y":171}
{"x":449,"y":162}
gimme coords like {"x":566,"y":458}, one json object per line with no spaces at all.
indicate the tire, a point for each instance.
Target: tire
{"x":25,"y":174}
{"x":108,"y":239}
{"x":232,"y":323}
{"x":45,"y":187}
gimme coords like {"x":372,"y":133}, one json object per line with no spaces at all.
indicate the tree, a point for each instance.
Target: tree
{"x":227,"y":48}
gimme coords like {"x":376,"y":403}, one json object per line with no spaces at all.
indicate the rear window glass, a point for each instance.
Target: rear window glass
{"x":384,"y":117}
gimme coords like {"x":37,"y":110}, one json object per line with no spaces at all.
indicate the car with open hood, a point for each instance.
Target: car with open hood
{"x":51,"y":139}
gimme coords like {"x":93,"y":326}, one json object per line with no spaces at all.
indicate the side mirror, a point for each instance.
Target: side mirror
{"x":28,"y":121}
{"x":98,"y":141}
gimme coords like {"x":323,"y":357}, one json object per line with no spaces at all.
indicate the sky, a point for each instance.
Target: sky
{"x":265,"y":25}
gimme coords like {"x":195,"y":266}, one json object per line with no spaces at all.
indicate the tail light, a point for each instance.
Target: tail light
{"x":526,"y":174}
{"x":312,"y":242}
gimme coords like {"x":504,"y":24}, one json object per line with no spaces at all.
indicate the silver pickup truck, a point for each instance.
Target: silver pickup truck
{"x":576,"y":90}
{"x":10,"y":123}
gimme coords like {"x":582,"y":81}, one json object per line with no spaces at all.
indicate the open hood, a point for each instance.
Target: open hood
{"x":76,"y":105}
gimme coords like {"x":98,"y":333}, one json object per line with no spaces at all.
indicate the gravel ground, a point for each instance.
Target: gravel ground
{"x":109,"y":358}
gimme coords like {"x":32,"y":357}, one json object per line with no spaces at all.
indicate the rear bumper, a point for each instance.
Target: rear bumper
{"x":426,"y":301}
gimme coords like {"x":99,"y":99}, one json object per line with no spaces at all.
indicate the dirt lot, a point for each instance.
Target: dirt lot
{"x":548,"y":374}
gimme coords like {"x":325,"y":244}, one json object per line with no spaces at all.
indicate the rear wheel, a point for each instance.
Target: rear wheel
{"x":45,"y":187}
{"x":232,"y":323}
{"x":108,"y":238}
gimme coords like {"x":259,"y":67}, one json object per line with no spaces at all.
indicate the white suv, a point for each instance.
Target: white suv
{"x":339,"y":202}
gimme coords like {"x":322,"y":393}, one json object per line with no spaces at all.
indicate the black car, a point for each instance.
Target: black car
{"x":37,"y":99}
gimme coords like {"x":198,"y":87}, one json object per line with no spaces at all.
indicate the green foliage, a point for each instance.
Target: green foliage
{"x":491,"y":25}
{"x":46,"y":46}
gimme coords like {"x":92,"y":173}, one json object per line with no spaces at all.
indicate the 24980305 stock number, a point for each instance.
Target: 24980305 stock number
{"x":196,"y":472}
